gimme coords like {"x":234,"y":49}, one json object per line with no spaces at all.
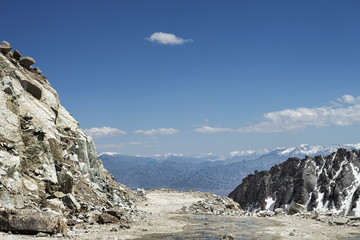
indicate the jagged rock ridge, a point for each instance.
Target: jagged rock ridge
{"x":46,"y":160}
{"x":323,"y":183}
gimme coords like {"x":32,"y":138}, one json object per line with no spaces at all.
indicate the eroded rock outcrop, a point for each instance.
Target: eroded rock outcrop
{"x":330,"y":183}
{"x":46,"y":160}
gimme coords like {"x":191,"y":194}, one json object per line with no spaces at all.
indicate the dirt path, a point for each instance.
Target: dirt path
{"x":161,"y":220}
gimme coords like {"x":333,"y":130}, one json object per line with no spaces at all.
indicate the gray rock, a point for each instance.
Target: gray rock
{"x":5,"y":47}
{"x":66,"y":181}
{"x":296,"y":208}
{"x":107,"y":218}
{"x":54,"y":204}
{"x":17,"y":55}
{"x":70,"y":201}
{"x":5,"y":43}
{"x":26,"y":62}
{"x":31,"y":221}
{"x":340,"y":220}
{"x":279,"y":211}
{"x":37,"y":70}
{"x":228,"y":236}
{"x":354,"y":218}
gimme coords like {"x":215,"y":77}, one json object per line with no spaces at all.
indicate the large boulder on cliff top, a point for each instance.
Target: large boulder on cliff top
{"x":26,"y":62}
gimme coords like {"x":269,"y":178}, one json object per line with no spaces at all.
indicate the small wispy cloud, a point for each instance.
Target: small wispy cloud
{"x":345,"y":112}
{"x":208,"y":129}
{"x":118,"y":145}
{"x":167,"y":39}
{"x":158,"y":131}
{"x":104,"y":132}
{"x":112,"y":146}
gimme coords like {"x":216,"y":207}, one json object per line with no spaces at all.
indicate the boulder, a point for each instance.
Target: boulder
{"x":37,"y":70}
{"x":71,"y":202}
{"x":66,"y":181}
{"x":31,"y":221}
{"x":107,"y":218}
{"x":341,"y":220}
{"x":16,"y":55}
{"x":278,"y":211}
{"x":26,"y":62}
{"x":296,"y":208}
{"x":115,"y":213}
{"x":5,"y":47}
{"x":54,"y":204}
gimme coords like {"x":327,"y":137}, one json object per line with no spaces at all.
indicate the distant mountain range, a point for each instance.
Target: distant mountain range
{"x":219,"y":174}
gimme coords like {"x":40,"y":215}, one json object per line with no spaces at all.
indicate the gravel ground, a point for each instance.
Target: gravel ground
{"x":160,"y":219}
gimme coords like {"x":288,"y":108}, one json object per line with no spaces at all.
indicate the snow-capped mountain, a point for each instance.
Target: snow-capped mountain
{"x":323,"y":183}
{"x":204,"y":172}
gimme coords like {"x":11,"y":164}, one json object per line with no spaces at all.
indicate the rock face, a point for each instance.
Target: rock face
{"x":44,"y":155}
{"x":319,"y":183}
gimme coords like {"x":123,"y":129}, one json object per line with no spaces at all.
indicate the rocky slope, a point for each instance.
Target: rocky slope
{"x":46,"y":161}
{"x":320,"y":183}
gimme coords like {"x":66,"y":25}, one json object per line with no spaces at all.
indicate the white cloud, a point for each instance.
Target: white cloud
{"x":134,"y":143}
{"x":104,"y":131}
{"x":348,"y":99}
{"x":295,"y":119}
{"x":113,"y":146}
{"x":159,"y":131}
{"x":208,"y":129}
{"x":167,"y":39}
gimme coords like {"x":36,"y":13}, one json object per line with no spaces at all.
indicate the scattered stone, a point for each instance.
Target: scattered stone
{"x":70,"y":201}
{"x":296,"y":208}
{"x":37,"y":70}
{"x":116,"y":213}
{"x":42,"y":234}
{"x":26,"y":62}
{"x":228,"y":236}
{"x":54,"y":204}
{"x":140,"y":192}
{"x":322,"y":218}
{"x":354,"y":218}
{"x":58,"y":194}
{"x":340,"y":220}
{"x":265,"y":214}
{"x":71,"y":222}
{"x":124,"y":225}
{"x":279,"y":211}
{"x":113,"y":230}
{"x":5,"y":47}
{"x":59,"y":235}
{"x":31,"y":221}
{"x":66,"y":181}
{"x":107,"y":218}
{"x":214,"y":206}
{"x":17,"y":55}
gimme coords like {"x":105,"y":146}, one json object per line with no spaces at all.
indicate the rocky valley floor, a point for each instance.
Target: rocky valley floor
{"x":167,"y":214}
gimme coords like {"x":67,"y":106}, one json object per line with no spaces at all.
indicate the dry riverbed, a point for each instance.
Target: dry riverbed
{"x":160,"y":218}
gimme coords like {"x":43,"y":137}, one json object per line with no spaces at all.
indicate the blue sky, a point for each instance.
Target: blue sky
{"x":148,"y":77}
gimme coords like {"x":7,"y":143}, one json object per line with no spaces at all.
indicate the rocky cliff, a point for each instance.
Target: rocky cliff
{"x":323,"y":183}
{"x":46,"y":160}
